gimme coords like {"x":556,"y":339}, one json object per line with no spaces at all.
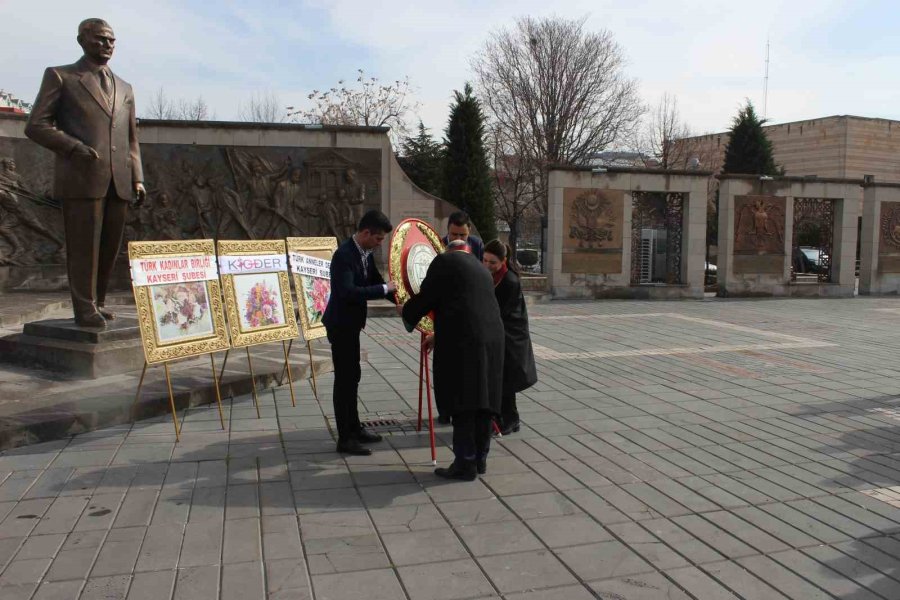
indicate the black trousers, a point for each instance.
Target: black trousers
{"x":345,"y":356}
{"x":509,"y":413}
{"x":94,"y":231}
{"x":471,"y":435}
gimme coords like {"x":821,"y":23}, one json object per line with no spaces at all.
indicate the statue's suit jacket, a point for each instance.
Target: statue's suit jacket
{"x":70,"y":108}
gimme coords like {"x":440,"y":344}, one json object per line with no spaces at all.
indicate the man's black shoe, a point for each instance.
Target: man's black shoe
{"x":443,"y":419}
{"x":509,"y":428}
{"x":352,"y":446}
{"x":481,"y":466}
{"x":465,"y":472}
{"x":367,"y":437}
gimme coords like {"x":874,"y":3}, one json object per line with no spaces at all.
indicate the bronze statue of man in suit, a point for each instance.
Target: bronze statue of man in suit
{"x":85,"y":115}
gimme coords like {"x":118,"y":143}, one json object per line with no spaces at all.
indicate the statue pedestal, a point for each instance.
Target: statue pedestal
{"x":61,"y":345}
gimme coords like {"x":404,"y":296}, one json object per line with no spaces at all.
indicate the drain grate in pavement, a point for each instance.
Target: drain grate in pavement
{"x":381,"y":423}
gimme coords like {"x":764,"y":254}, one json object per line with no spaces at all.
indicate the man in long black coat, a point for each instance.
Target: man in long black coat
{"x":354,"y":281}
{"x":468,"y":352}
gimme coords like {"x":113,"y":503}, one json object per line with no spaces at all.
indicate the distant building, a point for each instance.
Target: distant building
{"x":839,"y":146}
{"x":11,"y":104}
{"x":620,"y":159}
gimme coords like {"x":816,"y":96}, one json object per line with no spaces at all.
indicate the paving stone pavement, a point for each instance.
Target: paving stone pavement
{"x":708,"y":450}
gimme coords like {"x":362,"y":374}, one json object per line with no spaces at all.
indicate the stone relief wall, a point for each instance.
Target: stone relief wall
{"x":198,"y":192}
{"x":889,"y":238}
{"x":31,"y":230}
{"x":592,"y":230}
{"x":759,"y":223}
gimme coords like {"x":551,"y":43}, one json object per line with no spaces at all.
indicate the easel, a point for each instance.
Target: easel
{"x":312,"y":369}
{"x":287,"y":368}
{"x":165,"y":364}
{"x":425,"y":377}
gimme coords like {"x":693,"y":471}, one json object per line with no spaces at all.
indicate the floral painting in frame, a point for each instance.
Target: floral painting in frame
{"x":257,"y":290}
{"x":310,"y":259}
{"x":178,"y":299}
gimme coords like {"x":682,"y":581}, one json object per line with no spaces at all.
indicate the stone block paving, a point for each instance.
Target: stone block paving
{"x":707,"y":450}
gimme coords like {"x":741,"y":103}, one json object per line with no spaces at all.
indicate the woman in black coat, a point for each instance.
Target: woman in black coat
{"x":519,"y":372}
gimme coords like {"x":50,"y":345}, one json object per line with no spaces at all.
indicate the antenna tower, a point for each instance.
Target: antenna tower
{"x":766,"y":82}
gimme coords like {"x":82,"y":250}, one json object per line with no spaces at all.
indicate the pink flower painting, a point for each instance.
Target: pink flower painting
{"x":317,"y":291}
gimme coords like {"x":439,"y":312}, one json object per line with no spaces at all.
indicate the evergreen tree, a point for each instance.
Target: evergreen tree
{"x":749,"y":150}
{"x":421,"y":160}
{"x":467,"y":177}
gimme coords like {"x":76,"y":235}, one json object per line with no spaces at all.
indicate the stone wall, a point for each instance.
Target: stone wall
{"x":756,"y":229}
{"x":879,"y":271}
{"x":222,"y":180}
{"x":593,"y":238}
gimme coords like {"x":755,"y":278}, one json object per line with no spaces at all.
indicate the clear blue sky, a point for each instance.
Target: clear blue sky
{"x":827,"y":57}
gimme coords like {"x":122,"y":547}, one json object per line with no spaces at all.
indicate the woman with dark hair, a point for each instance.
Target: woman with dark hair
{"x":519,"y":372}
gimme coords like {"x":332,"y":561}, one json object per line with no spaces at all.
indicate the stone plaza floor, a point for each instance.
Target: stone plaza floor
{"x":709,"y":450}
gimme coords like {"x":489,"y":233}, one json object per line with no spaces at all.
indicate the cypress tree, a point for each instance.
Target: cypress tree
{"x":467,"y":176}
{"x":749,"y":150}
{"x":421,"y":160}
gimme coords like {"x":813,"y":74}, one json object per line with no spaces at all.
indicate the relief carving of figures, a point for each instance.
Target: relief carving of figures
{"x":592,"y":220}
{"x":18,"y":222}
{"x":165,"y":219}
{"x":890,"y":227}
{"x":203,"y":192}
{"x":759,"y":224}
{"x":343,"y":214}
{"x":258,"y":178}
{"x":295,"y":213}
{"x":218,"y":209}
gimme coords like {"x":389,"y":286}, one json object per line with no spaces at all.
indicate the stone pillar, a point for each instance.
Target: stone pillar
{"x":694,"y":236}
{"x":751,"y":264}
{"x":879,"y":271}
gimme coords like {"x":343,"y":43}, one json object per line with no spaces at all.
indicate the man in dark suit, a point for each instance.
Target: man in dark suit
{"x":354,"y":281}
{"x":85,"y":115}
{"x":468,"y":352}
{"x":458,"y":228}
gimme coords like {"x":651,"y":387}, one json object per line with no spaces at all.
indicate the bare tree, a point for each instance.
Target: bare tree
{"x":196,"y":110}
{"x":516,"y":182}
{"x":560,"y":89}
{"x":666,"y":136}
{"x":167,"y":109}
{"x":160,"y":107}
{"x":262,"y":108}
{"x":369,"y":102}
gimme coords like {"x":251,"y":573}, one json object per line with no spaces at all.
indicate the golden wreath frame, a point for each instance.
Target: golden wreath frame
{"x":325,"y":247}
{"x":260,"y":335}
{"x":155,"y":351}
{"x":395,"y":260}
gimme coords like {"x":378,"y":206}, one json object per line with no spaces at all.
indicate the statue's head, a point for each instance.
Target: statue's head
{"x":200,"y":181}
{"x":256,"y":166}
{"x":97,"y":39}
{"x":164,"y":199}
{"x":8,"y":164}
{"x":350,"y":175}
{"x":295,"y":175}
